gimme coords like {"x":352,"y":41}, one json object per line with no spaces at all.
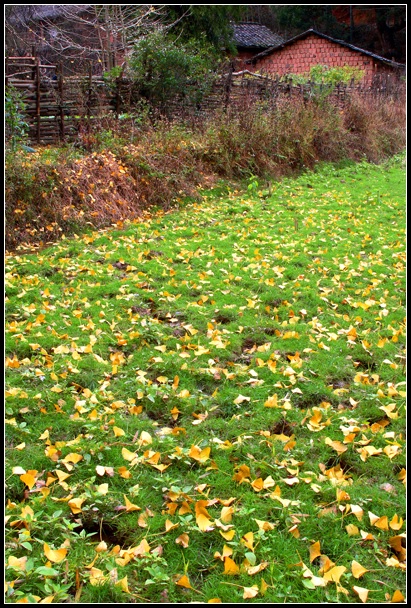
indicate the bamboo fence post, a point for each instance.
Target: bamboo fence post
{"x":38,"y":109}
{"x":33,"y":57}
{"x":117,"y":97}
{"x":90,"y":86}
{"x":228,"y":86}
{"x":61,"y":94}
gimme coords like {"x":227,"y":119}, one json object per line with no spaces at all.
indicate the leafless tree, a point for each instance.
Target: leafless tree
{"x":104,"y":32}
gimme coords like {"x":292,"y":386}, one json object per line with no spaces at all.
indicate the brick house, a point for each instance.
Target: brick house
{"x":299,"y":54}
{"x":251,"y":39}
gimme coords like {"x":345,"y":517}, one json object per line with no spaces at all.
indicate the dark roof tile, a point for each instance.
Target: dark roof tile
{"x":254,"y":35}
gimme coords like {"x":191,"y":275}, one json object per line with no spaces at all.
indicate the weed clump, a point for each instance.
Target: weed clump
{"x":130,"y":166}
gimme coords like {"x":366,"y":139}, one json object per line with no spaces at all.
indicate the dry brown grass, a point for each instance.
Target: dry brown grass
{"x":60,"y":191}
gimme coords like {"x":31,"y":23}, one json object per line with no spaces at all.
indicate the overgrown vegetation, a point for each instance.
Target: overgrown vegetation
{"x":323,"y":74}
{"x":129,"y":165}
{"x":14,"y":118}
{"x":209,"y":404}
{"x":164,"y":70}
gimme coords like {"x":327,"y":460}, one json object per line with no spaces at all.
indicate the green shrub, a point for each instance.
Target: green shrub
{"x":323,"y":79}
{"x":16,"y":126}
{"x":322,"y":74}
{"x":164,"y":70}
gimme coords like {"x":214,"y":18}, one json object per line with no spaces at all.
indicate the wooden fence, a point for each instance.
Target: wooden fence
{"x":59,"y":107}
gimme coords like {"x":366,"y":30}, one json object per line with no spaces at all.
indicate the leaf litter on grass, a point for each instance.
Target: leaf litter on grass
{"x":211,"y":394}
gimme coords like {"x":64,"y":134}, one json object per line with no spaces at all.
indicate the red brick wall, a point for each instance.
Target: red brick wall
{"x":241,"y":58}
{"x":298,"y":58}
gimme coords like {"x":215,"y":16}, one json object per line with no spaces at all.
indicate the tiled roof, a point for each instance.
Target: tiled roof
{"x":284,"y":43}
{"x":255,"y":36}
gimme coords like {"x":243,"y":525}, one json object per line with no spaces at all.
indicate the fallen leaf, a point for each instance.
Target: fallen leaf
{"x":230,"y":567}
{"x":315,"y":551}
{"x":357,"y":570}
{"x":250,"y":592}
{"x":362,"y":593}
{"x":54,"y":555}
{"x":184,"y":582}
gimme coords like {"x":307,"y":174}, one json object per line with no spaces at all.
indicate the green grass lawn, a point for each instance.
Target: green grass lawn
{"x":209,"y":405}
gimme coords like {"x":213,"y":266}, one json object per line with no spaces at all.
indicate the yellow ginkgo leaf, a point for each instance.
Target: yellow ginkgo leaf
{"x":75,"y":505}
{"x":123,"y":584}
{"x":19,"y":563}
{"x":184,"y":582}
{"x":294,"y":531}
{"x":19,"y":471}
{"x":203,"y":522}
{"x":97,"y":577}
{"x":251,"y":570}
{"x":357,"y":511}
{"x":170,"y":526}
{"x":382,"y":523}
{"x":248,"y":540}
{"x":230,"y":567}
{"x":141,"y":549}
{"x":362,"y":593}
{"x":124,"y":472}
{"x":229,"y":535}
{"x":227,"y":514}
{"x":325,"y":564}
{"x":54,"y":555}
{"x":73,"y":457}
{"x":175,"y":413}
{"x":336,"y":445}
{"x":250,"y":592}
{"x":145,"y":438}
{"x":127,"y":455}
{"x":258,"y":484}
{"x":183,"y":540}
{"x":396,"y":523}
{"x":263,"y":587}
{"x":315,"y":551}
{"x":240,"y":399}
{"x":397,"y":597}
{"x":318,"y":581}
{"x":265,"y":526}
{"x":334,"y":574}
{"x":352,"y":530}
{"x":118,"y":432}
{"x":203,"y":518}
{"x":102,"y":489}
{"x":342,"y":495}
{"x":28,"y":479}
{"x":227,"y":552}
{"x":271,"y":401}
{"x":198,"y":454}
{"x":129,"y":505}
{"x":62,"y":476}
{"x":357,"y":570}
{"x":243,"y":473}
{"x":184,"y":394}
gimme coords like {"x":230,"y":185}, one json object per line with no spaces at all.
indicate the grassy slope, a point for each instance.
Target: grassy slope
{"x":227,"y":378}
